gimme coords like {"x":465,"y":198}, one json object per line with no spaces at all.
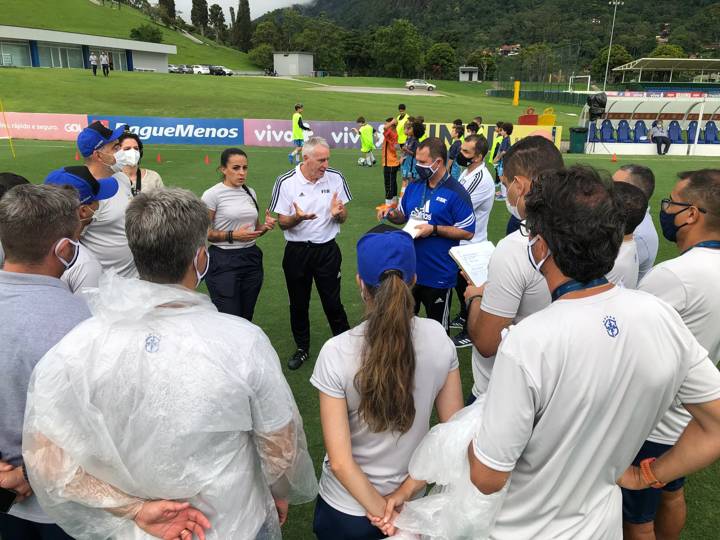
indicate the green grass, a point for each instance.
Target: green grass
{"x":153,"y":94}
{"x":84,"y":17}
{"x":183,"y":166}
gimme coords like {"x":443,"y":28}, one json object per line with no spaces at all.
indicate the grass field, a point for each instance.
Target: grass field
{"x":153,"y":94}
{"x":84,"y":17}
{"x":183,"y":166}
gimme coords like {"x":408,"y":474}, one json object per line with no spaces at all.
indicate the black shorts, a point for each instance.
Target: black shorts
{"x":640,"y":506}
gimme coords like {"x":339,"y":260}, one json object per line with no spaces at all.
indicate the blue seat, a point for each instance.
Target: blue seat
{"x":623,"y":132}
{"x":640,"y":134}
{"x":607,"y":132}
{"x":593,"y":135}
{"x":711,"y":133}
{"x":692,"y":131}
{"x":675,"y":132}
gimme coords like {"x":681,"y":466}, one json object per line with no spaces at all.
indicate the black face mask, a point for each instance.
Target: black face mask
{"x":463,"y":161}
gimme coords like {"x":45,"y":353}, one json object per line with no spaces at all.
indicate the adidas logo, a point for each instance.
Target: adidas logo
{"x":301,"y":194}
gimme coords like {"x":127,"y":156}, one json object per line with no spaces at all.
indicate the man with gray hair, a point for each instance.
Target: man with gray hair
{"x":146,"y":416}
{"x":310,"y":202}
{"x":37,"y":227}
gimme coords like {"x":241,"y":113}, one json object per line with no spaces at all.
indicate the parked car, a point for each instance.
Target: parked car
{"x":220,"y":70}
{"x":201,"y":70}
{"x":184,"y":68}
{"x":420,"y":84}
{"x":172,"y":68}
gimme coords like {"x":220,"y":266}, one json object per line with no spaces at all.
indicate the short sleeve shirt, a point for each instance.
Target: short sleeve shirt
{"x":389,"y":151}
{"x":449,"y":205}
{"x":234,"y":208}
{"x":626,"y":268}
{"x":589,"y":379}
{"x":481,"y":188}
{"x":384,"y":457}
{"x":312,"y":198}
{"x":646,"y":239}
{"x":85,"y":273}
{"x":690,"y":283}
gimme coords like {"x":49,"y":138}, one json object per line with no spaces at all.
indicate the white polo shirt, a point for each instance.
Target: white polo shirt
{"x":690,"y":283}
{"x":234,"y":208}
{"x":646,"y":238}
{"x":481,"y":188}
{"x":105,"y":236}
{"x":514,"y":290}
{"x":626,"y":268}
{"x":312,"y":198}
{"x":575,"y":392}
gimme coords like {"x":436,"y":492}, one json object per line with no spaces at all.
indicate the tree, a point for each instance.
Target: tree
{"x":216,"y":17}
{"x":485,"y":60}
{"x":169,"y":6}
{"x":232,"y":17}
{"x":665,"y":50}
{"x":618,"y":57}
{"x":440,"y":61}
{"x":537,"y":62}
{"x":147,"y":32}
{"x":397,"y":49}
{"x":267,"y":32}
{"x":262,"y":56}
{"x":199,"y":14}
{"x":321,"y":37}
{"x":243,"y":26}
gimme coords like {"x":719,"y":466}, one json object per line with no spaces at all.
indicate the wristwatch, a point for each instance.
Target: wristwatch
{"x":434,"y":233}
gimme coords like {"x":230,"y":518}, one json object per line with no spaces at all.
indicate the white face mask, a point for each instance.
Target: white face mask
{"x":126,"y":158}
{"x":67,"y":264}
{"x":198,"y":274}
{"x":510,"y":208}
{"x":536,"y":265}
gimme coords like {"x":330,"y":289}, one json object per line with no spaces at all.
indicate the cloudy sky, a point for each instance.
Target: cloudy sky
{"x":257,"y":7}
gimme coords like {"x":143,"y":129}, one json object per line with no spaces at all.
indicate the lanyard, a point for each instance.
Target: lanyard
{"x":710,"y":244}
{"x":440,"y":183}
{"x":572,"y":286}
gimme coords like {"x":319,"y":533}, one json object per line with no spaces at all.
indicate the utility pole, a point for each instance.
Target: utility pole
{"x":615,"y":4}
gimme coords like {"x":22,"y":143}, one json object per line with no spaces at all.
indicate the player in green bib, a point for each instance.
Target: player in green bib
{"x":402,"y":119}
{"x":298,"y":126}
{"x":367,"y":142}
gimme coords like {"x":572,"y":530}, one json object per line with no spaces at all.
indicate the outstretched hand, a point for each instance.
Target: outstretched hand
{"x":302,"y":216}
{"x":270,"y":222}
{"x":246,"y":233}
{"x":171,"y":520}
{"x":336,"y":206}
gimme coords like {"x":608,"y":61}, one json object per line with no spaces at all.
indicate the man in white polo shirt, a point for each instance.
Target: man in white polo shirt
{"x":646,"y":237}
{"x":690,"y":283}
{"x":310,"y":202}
{"x":513,"y":289}
{"x":105,"y":236}
{"x":578,"y":386}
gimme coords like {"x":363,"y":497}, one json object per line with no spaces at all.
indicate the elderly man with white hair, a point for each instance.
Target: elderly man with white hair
{"x":160,"y":416}
{"x":310,"y":202}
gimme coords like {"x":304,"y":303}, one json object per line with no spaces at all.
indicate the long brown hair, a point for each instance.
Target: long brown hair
{"x":386,"y":378}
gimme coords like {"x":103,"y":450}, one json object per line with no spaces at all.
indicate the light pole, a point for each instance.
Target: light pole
{"x":614,"y":3}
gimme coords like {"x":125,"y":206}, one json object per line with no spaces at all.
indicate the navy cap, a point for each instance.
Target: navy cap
{"x":87,"y":186}
{"x":378,"y":252}
{"x":96,"y":135}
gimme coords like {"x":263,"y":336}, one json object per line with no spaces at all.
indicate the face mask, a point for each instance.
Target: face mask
{"x":536,"y":265}
{"x":463,"y":161}
{"x":67,"y":264}
{"x":424,"y":172}
{"x":91,"y":219}
{"x":667,"y":224}
{"x":200,"y":275}
{"x":512,"y":208}
{"x":126,"y":158}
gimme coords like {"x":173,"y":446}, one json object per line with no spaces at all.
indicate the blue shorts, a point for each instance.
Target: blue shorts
{"x":408,"y":168}
{"x":640,"y":506}
{"x":331,"y":524}
{"x":298,"y":142}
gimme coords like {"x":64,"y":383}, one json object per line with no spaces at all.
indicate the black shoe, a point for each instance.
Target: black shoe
{"x":462,"y":340}
{"x":297,"y":359}
{"x":457,"y":322}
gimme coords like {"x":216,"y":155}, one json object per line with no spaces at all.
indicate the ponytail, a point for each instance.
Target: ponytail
{"x":386,"y":378}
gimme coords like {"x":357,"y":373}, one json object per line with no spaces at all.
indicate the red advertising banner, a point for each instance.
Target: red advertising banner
{"x":42,"y":126}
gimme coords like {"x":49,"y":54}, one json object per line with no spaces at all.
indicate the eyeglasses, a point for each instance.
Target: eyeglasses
{"x":665,"y":204}
{"x":524,"y":230}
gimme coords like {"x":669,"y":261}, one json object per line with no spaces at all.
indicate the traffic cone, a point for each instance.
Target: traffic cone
{"x":614,"y":158}
{"x":77,"y":156}
{"x":207,"y":160}
{"x":158,"y":158}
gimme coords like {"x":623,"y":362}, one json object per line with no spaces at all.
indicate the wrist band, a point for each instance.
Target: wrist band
{"x":230,"y":237}
{"x":648,"y":475}
{"x":434,"y":233}
{"x":470,"y":300}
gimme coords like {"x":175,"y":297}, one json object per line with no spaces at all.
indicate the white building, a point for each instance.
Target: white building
{"x":469,"y":73}
{"x":293,"y":63}
{"x":32,"y":47}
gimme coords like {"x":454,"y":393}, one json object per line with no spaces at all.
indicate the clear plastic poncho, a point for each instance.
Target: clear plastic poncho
{"x":454,"y":509}
{"x":159,"y":396}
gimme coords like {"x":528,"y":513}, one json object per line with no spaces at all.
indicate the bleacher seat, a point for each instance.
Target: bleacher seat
{"x":623,"y":132}
{"x":607,"y":132}
{"x":593,"y":135}
{"x":691,"y":132}
{"x":640,"y":134}
{"x":711,"y":133}
{"x":675,"y":132}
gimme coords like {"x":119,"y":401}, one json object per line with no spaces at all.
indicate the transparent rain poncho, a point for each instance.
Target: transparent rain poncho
{"x":159,"y":396}
{"x":454,"y":509}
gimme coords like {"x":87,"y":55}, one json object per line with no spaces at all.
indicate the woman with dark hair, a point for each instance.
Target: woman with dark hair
{"x":132,"y":152}
{"x":378,"y":384}
{"x":236,"y":270}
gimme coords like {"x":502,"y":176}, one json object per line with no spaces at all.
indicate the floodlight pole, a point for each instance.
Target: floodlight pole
{"x":614,"y":3}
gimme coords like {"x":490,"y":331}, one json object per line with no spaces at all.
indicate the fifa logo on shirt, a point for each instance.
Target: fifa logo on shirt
{"x":327,"y":191}
{"x":611,"y":326}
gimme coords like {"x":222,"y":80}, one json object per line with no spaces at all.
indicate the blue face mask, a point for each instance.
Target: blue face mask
{"x":667,"y":224}
{"x":424,"y":172}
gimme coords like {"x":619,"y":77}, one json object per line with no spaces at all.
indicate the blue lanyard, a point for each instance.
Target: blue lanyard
{"x":440,"y":183}
{"x":710,"y":244}
{"x":572,"y":286}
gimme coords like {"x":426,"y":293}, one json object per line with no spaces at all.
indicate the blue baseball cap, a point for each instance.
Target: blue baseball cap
{"x":378,"y":252}
{"x":96,"y":135}
{"x":80,"y":177}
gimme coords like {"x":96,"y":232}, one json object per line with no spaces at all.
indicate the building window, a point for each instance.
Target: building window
{"x":14,"y":53}
{"x":60,"y":56}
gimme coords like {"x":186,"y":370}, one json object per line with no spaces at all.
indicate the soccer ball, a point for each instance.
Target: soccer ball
{"x":361,"y":161}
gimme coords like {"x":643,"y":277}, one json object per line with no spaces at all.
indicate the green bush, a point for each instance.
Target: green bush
{"x":147,"y":32}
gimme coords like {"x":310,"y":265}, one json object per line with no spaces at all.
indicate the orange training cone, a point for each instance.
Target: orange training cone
{"x":207,"y":160}
{"x":158,"y":158}
{"x":77,"y":156}
{"x":614,"y":158}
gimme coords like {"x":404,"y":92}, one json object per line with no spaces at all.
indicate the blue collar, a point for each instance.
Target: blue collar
{"x":572,"y":286}
{"x":710,"y":244}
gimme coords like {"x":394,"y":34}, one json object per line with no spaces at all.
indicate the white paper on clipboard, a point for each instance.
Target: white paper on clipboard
{"x":474,"y":259}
